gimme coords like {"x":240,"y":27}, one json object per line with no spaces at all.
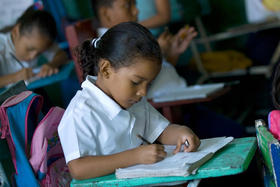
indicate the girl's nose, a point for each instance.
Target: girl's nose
{"x":142,"y":92}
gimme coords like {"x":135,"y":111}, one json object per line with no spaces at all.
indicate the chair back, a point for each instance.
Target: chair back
{"x":75,"y":34}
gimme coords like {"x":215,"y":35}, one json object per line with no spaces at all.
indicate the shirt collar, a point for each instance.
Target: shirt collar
{"x":109,"y":106}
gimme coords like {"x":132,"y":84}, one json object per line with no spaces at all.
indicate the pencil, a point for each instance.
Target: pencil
{"x":17,"y":60}
{"x":143,"y":139}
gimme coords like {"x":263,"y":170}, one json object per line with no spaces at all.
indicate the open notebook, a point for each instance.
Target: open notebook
{"x":189,"y":92}
{"x":180,"y":164}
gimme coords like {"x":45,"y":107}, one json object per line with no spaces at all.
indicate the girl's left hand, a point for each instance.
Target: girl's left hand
{"x":47,"y":70}
{"x":186,"y":134}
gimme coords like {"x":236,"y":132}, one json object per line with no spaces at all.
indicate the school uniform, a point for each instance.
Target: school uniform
{"x":9,"y":65}
{"x":94,"y":124}
{"x":167,"y":79}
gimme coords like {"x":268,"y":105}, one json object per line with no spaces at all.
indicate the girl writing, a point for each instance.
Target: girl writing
{"x":99,"y":128}
{"x":33,"y":35}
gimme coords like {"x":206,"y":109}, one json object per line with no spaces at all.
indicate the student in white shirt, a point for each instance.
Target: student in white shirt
{"x":33,"y":35}
{"x":112,"y":12}
{"x":99,"y":128}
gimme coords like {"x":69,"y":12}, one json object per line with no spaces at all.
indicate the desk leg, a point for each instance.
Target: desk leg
{"x":167,"y":113}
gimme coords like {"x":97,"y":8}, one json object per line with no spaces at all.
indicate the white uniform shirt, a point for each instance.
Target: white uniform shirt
{"x":167,"y":79}
{"x":94,"y":124}
{"x":8,"y":64}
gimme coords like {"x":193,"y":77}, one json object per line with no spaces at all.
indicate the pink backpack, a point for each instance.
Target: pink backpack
{"x":24,"y":126}
{"x":274,"y":123}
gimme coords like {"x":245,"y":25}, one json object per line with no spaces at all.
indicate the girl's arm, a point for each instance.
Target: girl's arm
{"x":23,"y":74}
{"x":161,"y":18}
{"x":96,"y":166}
{"x":178,"y":135}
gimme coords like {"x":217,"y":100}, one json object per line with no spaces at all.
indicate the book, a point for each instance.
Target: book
{"x":180,"y":164}
{"x":189,"y":92}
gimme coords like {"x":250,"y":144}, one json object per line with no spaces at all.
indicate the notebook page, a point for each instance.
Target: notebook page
{"x":180,"y":164}
{"x":190,"y":92}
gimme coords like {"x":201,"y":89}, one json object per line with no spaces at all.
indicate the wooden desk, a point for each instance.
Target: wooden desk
{"x":168,"y":107}
{"x":232,"y":159}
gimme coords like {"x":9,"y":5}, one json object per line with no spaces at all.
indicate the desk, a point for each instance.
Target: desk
{"x":232,"y":159}
{"x":168,"y":106}
{"x":63,"y":74}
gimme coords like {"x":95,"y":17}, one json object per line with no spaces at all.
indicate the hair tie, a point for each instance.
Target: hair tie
{"x":94,"y":42}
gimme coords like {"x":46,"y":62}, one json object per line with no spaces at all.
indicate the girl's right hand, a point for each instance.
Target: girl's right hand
{"x":149,"y":154}
{"x":25,"y":74}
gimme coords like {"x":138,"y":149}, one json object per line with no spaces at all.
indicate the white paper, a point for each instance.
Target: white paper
{"x":190,"y":92}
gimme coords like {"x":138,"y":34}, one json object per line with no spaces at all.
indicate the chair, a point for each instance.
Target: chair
{"x":75,"y":34}
{"x":232,"y":31}
{"x":269,"y":148}
{"x":265,"y":70}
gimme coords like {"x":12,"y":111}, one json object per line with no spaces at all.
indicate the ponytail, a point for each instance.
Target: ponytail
{"x":88,"y":58}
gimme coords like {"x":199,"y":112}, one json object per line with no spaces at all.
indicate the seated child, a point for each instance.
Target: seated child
{"x":99,"y":128}
{"x":112,"y":12}
{"x":33,"y":34}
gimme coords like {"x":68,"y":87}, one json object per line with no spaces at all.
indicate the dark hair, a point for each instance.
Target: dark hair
{"x":39,"y":19}
{"x":96,"y":4}
{"x":119,"y":45}
{"x":276,"y":88}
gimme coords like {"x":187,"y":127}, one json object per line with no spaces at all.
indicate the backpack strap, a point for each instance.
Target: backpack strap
{"x":11,"y":101}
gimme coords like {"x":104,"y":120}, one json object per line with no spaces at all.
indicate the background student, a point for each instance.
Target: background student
{"x":154,"y":14}
{"x":99,"y":128}
{"x":33,"y":35}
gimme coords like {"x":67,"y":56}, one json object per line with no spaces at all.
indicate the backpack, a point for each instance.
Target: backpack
{"x":33,"y":141}
{"x":274,"y":123}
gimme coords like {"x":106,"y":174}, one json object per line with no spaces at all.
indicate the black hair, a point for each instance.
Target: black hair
{"x":119,"y":45}
{"x":97,"y":4}
{"x":276,"y":88}
{"x":39,"y":19}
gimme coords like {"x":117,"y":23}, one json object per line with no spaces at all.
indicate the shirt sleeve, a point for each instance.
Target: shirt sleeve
{"x":155,"y":123}
{"x":76,"y":138}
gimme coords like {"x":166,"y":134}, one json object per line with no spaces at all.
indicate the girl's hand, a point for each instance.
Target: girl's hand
{"x":47,"y":70}
{"x":149,"y":154}
{"x":164,"y":41}
{"x":25,"y":74}
{"x":181,"y":40}
{"x":186,"y":134}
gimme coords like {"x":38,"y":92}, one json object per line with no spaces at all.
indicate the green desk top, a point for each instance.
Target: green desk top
{"x":232,"y":159}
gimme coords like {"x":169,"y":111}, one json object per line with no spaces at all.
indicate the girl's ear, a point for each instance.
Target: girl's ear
{"x":105,"y":68}
{"x":15,"y":31}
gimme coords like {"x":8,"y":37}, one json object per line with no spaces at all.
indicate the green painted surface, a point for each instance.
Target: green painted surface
{"x":232,"y":159}
{"x":265,"y":138}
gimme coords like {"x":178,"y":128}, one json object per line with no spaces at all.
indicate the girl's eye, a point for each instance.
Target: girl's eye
{"x":135,"y":83}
